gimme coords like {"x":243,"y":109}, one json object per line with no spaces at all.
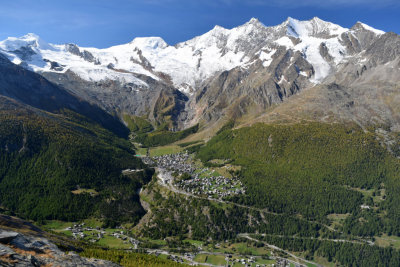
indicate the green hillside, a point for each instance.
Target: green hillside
{"x":314,"y":170}
{"x":65,"y":167}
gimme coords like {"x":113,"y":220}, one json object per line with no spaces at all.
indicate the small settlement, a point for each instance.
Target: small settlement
{"x":80,"y":231}
{"x":194,"y":180}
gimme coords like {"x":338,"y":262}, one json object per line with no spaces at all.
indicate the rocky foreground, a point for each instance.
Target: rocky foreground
{"x":27,"y":245}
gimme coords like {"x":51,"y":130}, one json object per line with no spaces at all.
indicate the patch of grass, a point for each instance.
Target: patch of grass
{"x":112,"y":242}
{"x":164,"y":150}
{"x":137,"y":124}
{"x":216,"y":259}
{"x":92,"y":192}
{"x":195,"y":242}
{"x":55,"y":225}
{"x":245,"y":249}
{"x":93,"y":223}
{"x":388,"y":241}
{"x":201,"y":258}
{"x":142,"y":151}
{"x":323,"y":261}
{"x":186,"y":144}
{"x":365,"y":192}
{"x":163,"y":256}
{"x":337,"y":219}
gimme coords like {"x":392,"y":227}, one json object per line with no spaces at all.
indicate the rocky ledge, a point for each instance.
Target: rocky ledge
{"x":17,"y":249}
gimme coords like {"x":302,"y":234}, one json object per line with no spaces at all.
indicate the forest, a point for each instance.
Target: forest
{"x":296,"y":177}
{"x":66,"y":167}
{"x":344,"y":253}
{"x":314,"y":169}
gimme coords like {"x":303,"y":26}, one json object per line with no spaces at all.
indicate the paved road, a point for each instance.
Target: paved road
{"x":279,"y":249}
{"x":320,"y":239}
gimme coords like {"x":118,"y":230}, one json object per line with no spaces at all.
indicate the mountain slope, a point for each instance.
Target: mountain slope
{"x":56,"y":163}
{"x":69,"y":168}
{"x":225,"y":73}
{"x":34,"y":90}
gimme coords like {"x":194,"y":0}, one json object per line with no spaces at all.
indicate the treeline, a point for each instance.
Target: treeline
{"x":163,"y":137}
{"x":313,"y":169}
{"x":47,"y":162}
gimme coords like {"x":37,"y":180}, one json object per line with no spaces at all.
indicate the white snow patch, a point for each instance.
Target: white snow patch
{"x":335,"y":49}
{"x":283,"y":79}
{"x":267,"y":57}
{"x":186,"y":89}
{"x":310,"y":48}
{"x":285,"y":41}
{"x":303,"y":73}
{"x":369,"y":28}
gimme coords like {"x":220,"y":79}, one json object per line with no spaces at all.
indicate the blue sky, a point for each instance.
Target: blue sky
{"x":103,"y":23}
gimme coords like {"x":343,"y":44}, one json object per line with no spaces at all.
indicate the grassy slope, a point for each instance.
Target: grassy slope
{"x":162,"y":136}
{"x":137,"y":124}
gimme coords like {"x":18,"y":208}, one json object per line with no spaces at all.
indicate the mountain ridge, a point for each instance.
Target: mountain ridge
{"x":315,"y":26}
{"x":259,"y":66}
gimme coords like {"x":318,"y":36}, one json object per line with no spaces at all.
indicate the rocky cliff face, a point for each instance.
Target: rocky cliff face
{"x":228,"y":73}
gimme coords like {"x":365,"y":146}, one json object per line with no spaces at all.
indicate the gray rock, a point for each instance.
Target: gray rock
{"x":323,"y":50}
{"x":73,"y":49}
{"x":46,"y":253}
{"x":5,"y":250}
{"x":7,"y":236}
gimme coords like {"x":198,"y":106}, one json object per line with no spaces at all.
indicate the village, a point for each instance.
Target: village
{"x":94,"y":234}
{"x":179,"y":170}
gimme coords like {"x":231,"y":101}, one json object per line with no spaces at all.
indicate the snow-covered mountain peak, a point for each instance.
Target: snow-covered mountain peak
{"x":149,"y":43}
{"x":314,"y":27}
{"x":29,"y":40}
{"x":210,"y":38}
{"x":192,"y":62}
{"x":218,"y":28}
{"x":254,"y":22}
{"x":359,"y":25}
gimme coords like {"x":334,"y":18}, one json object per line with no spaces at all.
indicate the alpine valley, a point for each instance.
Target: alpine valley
{"x":257,"y":145}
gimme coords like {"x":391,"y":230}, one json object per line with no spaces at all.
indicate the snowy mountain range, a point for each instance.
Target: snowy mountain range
{"x":187,"y":63}
{"x":282,"y":60}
